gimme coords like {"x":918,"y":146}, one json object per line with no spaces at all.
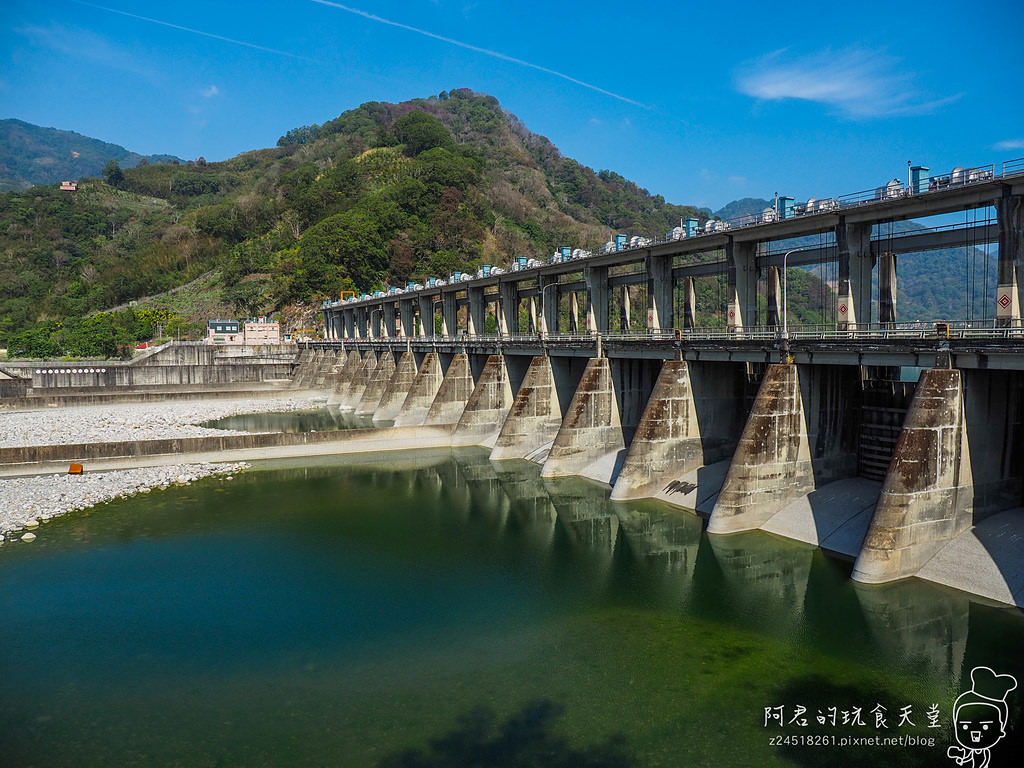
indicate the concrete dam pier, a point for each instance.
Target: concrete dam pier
{"x":902,"y":477}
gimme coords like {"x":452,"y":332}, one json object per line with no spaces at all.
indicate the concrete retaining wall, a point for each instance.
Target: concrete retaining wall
{"x":378,"y":382}
{"x":487,"y":407}
{"x":397,"y":389}
{"x":422,"y":392}
{"x":590,"y":437}
{"x":921,"y":506}
{"x":535,"y":416}
{"x":801,"y":433}
{"x":691,"y":420}
{"x":453,"y":393}
{"x":353,"y":440}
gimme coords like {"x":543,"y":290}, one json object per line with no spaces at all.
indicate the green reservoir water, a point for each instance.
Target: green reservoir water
{"x":442,"y":610}
{"x":324,"y":419}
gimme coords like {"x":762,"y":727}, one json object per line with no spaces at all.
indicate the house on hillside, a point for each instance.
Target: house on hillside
{"x":262,"y":330}
{"x":223,"y":332}
{"x":69,"y":186}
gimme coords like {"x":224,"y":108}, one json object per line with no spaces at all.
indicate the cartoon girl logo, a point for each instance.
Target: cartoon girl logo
{"x":980,"y":716}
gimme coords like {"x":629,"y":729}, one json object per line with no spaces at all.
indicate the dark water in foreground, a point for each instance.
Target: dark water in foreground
{"x":337,"y":615}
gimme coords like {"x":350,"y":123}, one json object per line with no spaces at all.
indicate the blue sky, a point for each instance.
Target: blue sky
{"x":700,"y":103}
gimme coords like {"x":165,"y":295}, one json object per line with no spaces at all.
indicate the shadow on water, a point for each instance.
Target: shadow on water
{"x":523,"y":740}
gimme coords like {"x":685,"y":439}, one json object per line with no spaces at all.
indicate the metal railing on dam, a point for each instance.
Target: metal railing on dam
{"x":965,"y":344}
{"x":653,"y":284}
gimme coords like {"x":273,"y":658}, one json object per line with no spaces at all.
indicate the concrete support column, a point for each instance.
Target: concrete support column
{"x":668,"y":443}
{"x":742,"y":276}
{"x":660,"y":289}
{"x":389,"y":318}
{"x":574,"y":313}
{"x":535,"y":416}
{"x":360,"y":378}
{"x":407,"y":313}
{"x":449,"y":314}
{"x":597,"y":299}
{"x":508,"y":308}
{"x":590,"y":438}
{"x":397,"y":390}
{"x":328,"y":324}
{"x":487,"y":407}
{"x":1010,"y":223}
{"x":362,"y":323}
{"x":350,"y":324}
{"x":533,"y":315}
{"x":453,"y":394}
{"x":920,"y":508}
{"x":477,"y":311}
{"x":422,"y":392}
{"x":625,"y":310}
{"x":774,"y":292}
{"x":887,"y":289}
{"x":376,"y":322}
{"x":344,"y":382}
{"x":772,"y":463}
{"x":549,"y":295}
{"x":853,"y":248}
{"x":689,"y":303}
{"x":426,"y":304}
{"x":376,"y":384}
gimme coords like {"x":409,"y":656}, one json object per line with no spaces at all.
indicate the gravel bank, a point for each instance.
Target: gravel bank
{"x":131,"y":421}
{"x":25,"y":502}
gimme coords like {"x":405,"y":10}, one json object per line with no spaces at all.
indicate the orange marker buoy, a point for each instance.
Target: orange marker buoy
{"x":75,"y":469}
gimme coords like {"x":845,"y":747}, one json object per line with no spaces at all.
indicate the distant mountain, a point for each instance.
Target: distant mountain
{"x":31,"y":155}
{"x":748,"y":206}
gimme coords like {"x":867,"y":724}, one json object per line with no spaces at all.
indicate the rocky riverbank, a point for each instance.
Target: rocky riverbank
{"x":29,"y":501}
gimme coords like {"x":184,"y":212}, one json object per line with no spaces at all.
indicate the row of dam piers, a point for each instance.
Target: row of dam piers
{"x":907,"y":478}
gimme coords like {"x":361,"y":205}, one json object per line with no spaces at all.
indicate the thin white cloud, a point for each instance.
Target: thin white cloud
{"x":858,"y":83}
{"x":193,"y":31}
{"x":210,"y":92}
{"x":476,"y":49}
{"x":78,"y":44}
{"x":1009,"y":144}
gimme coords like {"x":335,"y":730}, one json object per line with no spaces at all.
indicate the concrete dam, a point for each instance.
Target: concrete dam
{"x":907,"y":478}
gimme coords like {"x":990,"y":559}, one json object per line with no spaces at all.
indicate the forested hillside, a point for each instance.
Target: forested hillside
{"x":381,"y":195}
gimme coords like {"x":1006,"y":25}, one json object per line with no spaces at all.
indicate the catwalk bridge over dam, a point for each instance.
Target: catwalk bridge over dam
{"x":893,"y":441}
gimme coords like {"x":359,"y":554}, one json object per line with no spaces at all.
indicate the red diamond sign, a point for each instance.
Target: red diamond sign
{"x":1004,"y":301}
{"x":842,"y":309}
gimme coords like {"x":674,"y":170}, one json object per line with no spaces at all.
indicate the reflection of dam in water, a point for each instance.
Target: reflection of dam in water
{"x":907,"y":479}
{"x":771,"y":582}
{"x":768,"y":581}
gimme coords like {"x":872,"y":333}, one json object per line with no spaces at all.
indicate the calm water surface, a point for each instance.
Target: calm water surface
{"x":338,"y":614}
